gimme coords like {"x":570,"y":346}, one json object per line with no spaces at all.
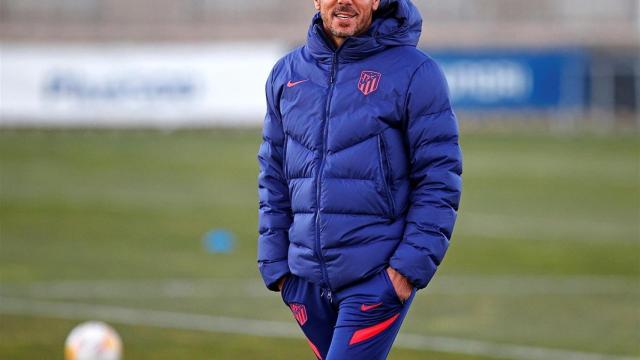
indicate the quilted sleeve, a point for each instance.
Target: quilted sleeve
{"x":274,"y":216}
{"x":435,"y":176}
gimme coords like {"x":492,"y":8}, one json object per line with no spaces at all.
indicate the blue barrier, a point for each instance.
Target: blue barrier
{"x":516,"y":79}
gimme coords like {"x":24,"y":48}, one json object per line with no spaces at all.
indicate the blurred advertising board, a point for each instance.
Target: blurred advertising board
{"x":494,"y":80}
{"x":141,"y":85}
{"x":173,"y":85}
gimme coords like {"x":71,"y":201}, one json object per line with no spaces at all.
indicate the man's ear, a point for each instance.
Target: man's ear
{"x":316,"y":4}
{"x":376,"y":4}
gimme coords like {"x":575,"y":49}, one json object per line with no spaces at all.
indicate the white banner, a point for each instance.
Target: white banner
{"x":134,"y":85}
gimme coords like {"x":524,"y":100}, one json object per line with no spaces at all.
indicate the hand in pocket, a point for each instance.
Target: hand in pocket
{"x":281,"y":282}
{"x":401,"y":284}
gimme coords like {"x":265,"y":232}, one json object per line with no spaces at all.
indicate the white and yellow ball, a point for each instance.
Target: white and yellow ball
{"x":93,"y":340}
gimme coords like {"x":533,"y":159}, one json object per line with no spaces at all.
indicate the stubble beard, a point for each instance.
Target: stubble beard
{"x":334,"y":29}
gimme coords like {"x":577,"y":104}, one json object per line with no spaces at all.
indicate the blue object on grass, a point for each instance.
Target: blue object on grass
{"x":219,"y":241}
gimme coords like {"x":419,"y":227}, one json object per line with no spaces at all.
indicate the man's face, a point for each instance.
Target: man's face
{"x":344,"y":18}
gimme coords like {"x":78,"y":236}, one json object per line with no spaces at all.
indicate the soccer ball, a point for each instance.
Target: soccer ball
{"x":93,"y":340}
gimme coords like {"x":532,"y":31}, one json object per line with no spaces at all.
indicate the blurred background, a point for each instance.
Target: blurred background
{"x":128,"y":191}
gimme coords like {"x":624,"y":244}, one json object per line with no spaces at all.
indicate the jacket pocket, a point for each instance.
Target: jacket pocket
{"x":385,"y":168}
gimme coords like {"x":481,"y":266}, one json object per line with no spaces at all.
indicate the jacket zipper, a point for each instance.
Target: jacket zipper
{"x":321,"y":168}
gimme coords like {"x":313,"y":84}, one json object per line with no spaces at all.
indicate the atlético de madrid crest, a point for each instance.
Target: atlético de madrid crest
{"x":299,"y":312}
{"x":368,"y":82}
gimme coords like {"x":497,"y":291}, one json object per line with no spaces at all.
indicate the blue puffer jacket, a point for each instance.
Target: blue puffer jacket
{"x":360,"y":164}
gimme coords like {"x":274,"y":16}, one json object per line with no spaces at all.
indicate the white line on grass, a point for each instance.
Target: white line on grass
{"x":199,"y":322}
{"x":504,"y":285}
{"x":522,"y":226}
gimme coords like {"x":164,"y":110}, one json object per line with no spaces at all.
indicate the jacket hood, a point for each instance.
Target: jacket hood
{"x":395,"y":23}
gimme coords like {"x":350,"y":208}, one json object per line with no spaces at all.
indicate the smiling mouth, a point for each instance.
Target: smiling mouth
{"x":345,"y":16}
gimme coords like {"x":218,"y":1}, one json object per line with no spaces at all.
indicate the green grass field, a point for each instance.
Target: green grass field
{"x":108,"y":225}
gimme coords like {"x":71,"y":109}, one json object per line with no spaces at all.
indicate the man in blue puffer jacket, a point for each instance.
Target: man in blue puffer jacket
{"x":359,"y":179}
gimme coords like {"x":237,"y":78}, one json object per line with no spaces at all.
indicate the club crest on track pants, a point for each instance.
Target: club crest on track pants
{"x":360,"y":321}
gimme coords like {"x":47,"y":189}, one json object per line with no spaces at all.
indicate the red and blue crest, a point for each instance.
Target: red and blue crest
{"x":299,"y":312}
{"x":368,"y":82}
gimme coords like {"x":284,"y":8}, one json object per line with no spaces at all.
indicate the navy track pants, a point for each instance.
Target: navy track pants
{"x":360,"y":321}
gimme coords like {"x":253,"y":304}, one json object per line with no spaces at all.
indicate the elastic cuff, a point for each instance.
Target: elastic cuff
{"x":272,"y":272}
{"x":414,"y":265}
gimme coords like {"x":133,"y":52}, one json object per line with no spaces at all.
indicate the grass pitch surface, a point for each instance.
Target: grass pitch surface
{"x":545,"y":253}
